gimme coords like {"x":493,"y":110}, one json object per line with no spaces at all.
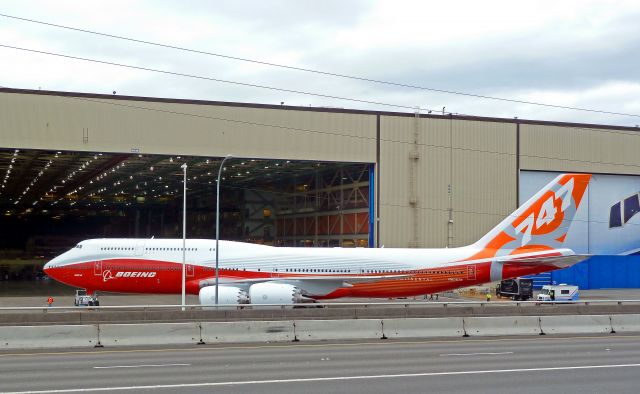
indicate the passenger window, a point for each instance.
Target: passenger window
{"x":631,"y":207}
{"x":564,"y":291}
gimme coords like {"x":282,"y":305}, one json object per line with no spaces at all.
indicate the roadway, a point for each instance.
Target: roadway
{"x":502,"y":365}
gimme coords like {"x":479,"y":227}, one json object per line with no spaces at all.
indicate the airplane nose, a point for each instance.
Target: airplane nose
{"x":47,"y":268}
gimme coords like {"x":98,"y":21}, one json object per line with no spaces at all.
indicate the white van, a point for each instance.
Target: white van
{"x":561,"y":292}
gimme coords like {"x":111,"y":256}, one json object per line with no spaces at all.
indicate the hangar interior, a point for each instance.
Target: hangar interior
{"x":428,"y":180}
{"x":52,"y":199}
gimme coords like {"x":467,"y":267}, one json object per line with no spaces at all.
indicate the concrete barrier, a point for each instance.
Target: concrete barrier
{"x":423,"y":328}
{"x":58,"y":336}
{"x":322,"y":330}
{"x":149,"y":334}
{"x":89,"y":335}
{"x":31,"y":318}
{"x":247,"y":331}
{"x":502,"y":325}
{"x":625,"y":323}
{"x":575,"y":324}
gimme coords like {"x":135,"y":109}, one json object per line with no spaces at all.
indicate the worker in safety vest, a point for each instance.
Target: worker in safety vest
{"x":50,"y":301}
{"x":488,"y":297}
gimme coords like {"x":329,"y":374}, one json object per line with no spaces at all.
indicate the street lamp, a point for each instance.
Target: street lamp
{"x":184,"y":231}
{"x":218,"y":221}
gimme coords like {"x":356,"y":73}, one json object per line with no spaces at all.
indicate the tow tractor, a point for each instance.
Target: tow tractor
{"x":84,"y":299}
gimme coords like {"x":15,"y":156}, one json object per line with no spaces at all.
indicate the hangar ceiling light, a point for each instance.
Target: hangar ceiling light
{"x":43,"y":180}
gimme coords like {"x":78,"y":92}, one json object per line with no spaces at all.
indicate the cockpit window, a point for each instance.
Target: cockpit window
{"x":615,"y":218}
{"x":78,"y":246}
{"x":631,"y":207}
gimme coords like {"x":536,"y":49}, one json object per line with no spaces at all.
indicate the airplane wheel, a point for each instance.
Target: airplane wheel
{"x":90,"y":303}
{"x":97,"y":303}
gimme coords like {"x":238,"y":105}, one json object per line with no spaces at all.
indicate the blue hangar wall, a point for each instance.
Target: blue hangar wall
{"x":607,"y":225}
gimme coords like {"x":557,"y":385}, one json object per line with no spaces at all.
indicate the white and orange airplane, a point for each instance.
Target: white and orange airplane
{"x":527,"y":242}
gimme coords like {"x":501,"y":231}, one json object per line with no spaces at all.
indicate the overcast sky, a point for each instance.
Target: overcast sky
{"x":570,"y":53}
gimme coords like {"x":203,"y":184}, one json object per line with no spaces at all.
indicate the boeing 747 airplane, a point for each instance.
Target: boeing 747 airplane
{"x":529,"y":241}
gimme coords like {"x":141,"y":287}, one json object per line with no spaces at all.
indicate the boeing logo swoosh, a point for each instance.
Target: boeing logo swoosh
{"x":106,"y":275}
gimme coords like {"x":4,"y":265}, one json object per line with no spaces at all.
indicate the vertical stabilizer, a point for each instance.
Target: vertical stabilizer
{"x":541,"y":223}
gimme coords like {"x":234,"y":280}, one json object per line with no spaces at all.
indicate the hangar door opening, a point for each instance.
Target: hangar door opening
{"x":50,"y":200}
{"x":327,"y":208}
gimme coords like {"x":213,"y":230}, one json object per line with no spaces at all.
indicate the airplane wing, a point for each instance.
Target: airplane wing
{"x":312,"y":285}
{"x":346,"y":278}
{"x":316,"y":278}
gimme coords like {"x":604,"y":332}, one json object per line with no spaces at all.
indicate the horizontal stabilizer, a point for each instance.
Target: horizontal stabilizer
{"x":557,"y":261}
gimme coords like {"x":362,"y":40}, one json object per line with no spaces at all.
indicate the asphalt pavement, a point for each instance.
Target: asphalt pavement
{"x":501,"y":365}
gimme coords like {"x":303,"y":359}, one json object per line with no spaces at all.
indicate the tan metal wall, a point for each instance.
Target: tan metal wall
{"x":55,"y":122}
{"x":477,"y":158}
{"x":580,"y":149}
{"x":484,"y":177}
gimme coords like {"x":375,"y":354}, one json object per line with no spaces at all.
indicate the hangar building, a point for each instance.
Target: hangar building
{"x":76,"y":165}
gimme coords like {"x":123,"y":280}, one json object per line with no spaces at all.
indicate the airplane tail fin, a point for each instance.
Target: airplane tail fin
{"x":541,"y":223}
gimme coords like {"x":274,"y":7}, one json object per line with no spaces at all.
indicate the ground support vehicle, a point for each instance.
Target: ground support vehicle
{"x":84,"y":299}
{"x":518,"y":289}
{"x":561,"y":292}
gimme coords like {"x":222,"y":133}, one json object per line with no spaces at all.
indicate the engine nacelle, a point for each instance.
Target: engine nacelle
{"x":275,"y":293}
{"x":227,"y":295}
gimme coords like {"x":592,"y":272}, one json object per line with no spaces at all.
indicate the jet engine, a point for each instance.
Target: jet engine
{"x":275,"y":293}
{"x":227,"y":295}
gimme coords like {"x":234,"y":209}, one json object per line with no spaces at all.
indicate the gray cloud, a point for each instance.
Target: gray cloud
{"x":575,"y":59}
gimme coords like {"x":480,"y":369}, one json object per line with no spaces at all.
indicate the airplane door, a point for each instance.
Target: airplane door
{"x":471,"y":272}
{"x":190,"y":271}
{"x":139,"y":248}
{"x":97,"y":268}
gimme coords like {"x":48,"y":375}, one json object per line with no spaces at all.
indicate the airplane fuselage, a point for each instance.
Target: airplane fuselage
{"x":155,"y":266}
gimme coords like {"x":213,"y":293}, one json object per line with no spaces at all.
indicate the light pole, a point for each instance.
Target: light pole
{"x":218,"y":221}
{"x":184,"y":231}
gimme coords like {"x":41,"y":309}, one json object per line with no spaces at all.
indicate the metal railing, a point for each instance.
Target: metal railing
{"x":333,"y":305}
